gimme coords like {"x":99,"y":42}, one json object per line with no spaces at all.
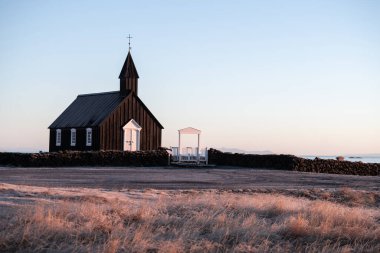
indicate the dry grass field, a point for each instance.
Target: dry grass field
{"x":42,"y":219}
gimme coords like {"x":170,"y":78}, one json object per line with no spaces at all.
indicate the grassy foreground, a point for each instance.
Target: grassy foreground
{"x":39,"y":219}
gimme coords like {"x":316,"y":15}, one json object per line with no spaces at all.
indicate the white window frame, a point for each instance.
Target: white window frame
{"x":88,"y":136}
{"x":58,"y":137}
{"x":73,"y":137}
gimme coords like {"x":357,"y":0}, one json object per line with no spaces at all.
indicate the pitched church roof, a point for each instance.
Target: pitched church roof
{"x":88,"y":110}
{"x":129,"y":69}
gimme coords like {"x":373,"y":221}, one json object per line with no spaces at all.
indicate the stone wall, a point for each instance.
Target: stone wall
{"x":290,"y":162}
{"x":161,"y":158}
{"x":337,"y":167}
{"x":102,"y":158}
{"x":279,"y":162}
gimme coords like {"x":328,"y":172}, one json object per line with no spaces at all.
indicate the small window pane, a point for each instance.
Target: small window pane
{"x":88,"y":136}
{"x":58,"y":137}
{"x":73,"y":137}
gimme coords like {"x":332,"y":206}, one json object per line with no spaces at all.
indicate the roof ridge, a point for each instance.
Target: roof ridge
{"x":99,"y":93}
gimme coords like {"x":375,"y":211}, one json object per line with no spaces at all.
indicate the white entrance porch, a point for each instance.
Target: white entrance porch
{"x":131,"y":133}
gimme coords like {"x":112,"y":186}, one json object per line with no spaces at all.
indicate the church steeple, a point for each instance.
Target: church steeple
{"x":128,"y":76}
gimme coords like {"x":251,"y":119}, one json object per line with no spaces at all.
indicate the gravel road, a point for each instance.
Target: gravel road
{"x":181,"y":178}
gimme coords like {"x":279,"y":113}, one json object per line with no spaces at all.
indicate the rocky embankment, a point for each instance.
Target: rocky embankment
{"x":161,"y":158}
{"x":72,"y":158}
{"x":290,"y":162}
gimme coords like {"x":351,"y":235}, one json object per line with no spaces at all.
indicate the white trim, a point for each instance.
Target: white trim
{"x":73,"y":137}
{"x":58,"y":137}
{"x":189,"y":130}
{"x":88,"y":136}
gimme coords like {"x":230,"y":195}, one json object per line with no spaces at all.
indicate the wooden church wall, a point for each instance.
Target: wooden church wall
{"x":111,"y":132}
{"x":80,"y":140}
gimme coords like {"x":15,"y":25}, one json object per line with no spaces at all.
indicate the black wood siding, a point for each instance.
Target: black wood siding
{"x":111,"y":129}
{"x":80,"y":142}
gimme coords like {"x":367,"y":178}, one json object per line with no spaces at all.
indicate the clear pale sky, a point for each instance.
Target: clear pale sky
{"x":298,"y":77}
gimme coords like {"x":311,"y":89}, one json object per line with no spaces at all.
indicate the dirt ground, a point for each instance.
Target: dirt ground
{"x":113,"y":178}
{"x":221,"y":209}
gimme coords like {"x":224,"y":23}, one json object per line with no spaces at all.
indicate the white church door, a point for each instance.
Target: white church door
{"x":131,"y":139}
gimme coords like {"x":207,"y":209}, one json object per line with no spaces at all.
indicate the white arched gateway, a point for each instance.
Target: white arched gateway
{"x":183,"y":154}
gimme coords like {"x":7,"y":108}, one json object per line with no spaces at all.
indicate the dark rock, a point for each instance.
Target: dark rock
{"x":73,"y":158}
{"x":290,"y":162}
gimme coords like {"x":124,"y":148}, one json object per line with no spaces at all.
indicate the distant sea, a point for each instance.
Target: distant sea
{"x":364,"y":159}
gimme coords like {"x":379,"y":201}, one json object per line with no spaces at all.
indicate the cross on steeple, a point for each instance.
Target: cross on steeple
{"x":129,"y":41}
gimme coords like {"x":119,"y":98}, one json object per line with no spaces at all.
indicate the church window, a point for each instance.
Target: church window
{"x":58,"y":136}
{"x":88,"y":136}
{"x":73,"y":137}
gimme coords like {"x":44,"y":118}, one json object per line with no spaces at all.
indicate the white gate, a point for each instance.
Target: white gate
{"x":182,"y":154}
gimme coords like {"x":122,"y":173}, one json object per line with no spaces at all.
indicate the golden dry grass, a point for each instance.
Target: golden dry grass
{"x":37,"y":219}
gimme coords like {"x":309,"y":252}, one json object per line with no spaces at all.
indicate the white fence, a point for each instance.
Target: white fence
{"x":190,"y":155}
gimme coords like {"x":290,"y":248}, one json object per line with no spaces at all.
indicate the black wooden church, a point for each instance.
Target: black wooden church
{"x":116,"y":120}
